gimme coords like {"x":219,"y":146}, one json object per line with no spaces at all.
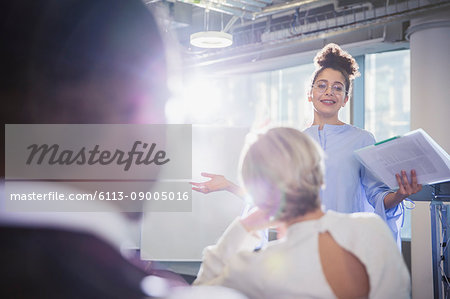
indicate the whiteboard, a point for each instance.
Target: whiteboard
{"x":182,"y":236}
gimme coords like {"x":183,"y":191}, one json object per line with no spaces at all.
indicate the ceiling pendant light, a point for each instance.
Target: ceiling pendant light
{"x":211,"y":39}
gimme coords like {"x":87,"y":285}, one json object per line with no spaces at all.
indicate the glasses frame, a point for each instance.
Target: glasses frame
{"x":333,"y":91}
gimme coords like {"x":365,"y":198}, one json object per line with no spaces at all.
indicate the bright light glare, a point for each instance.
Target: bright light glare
{"x":175,"y":111}
{"x":202,"y":100}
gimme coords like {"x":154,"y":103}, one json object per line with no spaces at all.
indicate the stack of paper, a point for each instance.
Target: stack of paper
{"x":414,"y":150}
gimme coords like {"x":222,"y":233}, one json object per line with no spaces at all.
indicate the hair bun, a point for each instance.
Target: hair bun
{"x":333,"y":56}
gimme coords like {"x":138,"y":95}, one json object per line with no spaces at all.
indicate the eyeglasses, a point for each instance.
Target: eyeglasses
{"x":336,"y":89}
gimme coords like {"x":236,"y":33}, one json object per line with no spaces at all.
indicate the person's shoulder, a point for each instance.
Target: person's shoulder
{"x":358,"y":131}
{"x":363,"y":136}
{"x":361,"y":232}
{"x":97,"y":257}
{"x":310,"y":130}
{"x":355,"y":223}
{"x":353,"y":217}
{"x":366,"y":218}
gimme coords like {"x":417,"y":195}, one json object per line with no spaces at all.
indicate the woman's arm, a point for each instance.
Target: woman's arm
{"x":238,"y":239}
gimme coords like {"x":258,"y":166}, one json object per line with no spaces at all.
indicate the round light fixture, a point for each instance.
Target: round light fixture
{"x":211,"y":39}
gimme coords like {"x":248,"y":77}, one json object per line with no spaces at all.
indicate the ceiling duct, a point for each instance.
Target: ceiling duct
{"x":383,"y":24}
{"x":254,"y":9}
{"x":280,"y":8}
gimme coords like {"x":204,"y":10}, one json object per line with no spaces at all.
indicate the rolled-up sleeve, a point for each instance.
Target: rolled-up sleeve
{"x":375,"y":193}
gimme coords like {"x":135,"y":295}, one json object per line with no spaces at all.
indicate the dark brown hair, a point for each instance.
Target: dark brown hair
{"x":333,"y":57}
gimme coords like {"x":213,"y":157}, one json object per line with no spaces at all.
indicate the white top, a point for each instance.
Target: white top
{"x":291,"y":268}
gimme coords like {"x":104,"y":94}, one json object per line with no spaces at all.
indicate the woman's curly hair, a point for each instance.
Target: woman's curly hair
{"x":332,"y":56}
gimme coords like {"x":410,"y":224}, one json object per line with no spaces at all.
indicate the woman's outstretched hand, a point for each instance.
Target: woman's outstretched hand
{"x":217,"y":182}
{"x":405,"y":189}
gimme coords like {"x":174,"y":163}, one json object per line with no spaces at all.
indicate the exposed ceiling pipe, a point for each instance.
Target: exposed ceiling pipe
{"x":279,"y":8}
{"x":240,"y":9}
{"x":230,"y":23}
{"x":241,"y":5}
{"x":217,"y":7}
{"x":380,"y":20}
{"x":255,"y":3}
{"x":368,"y":5}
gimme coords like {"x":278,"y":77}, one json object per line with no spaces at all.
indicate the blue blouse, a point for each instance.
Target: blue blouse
{"x":349,"y":187}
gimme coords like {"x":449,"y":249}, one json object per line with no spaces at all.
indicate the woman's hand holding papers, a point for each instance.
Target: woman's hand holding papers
{"x":406,"y":188}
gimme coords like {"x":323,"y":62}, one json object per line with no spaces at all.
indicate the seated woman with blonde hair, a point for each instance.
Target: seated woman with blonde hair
{"x":322,"y":255}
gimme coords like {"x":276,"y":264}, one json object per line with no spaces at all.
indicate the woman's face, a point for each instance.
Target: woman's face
{"x":328,"y":93}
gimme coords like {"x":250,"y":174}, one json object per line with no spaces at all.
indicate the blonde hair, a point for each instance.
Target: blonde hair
{"x":282,"y":169}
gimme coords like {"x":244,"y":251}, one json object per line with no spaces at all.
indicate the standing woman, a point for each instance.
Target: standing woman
{"x":349,"y":187}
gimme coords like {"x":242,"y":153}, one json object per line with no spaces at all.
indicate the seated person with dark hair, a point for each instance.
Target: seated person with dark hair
{"x":75,"y":62}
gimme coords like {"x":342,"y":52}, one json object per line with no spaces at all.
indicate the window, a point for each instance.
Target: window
{"x":387,"y":101}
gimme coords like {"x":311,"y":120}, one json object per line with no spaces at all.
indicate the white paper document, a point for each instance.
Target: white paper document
{"x":414,"y":150}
